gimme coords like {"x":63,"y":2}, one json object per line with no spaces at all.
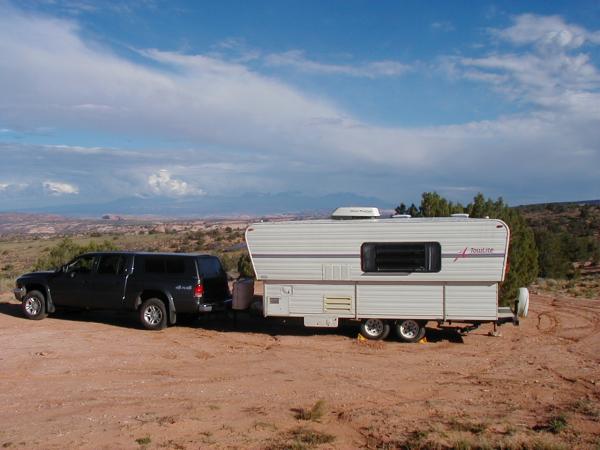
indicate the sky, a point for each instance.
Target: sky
{"x":180,"y":100}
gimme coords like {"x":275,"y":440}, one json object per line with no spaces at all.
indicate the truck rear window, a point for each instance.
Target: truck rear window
{"x":209,"y":267}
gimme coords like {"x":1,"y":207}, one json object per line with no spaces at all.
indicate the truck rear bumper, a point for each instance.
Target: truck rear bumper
{"x":211,"y":307}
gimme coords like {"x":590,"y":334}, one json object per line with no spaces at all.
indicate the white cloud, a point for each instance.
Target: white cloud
{"x":548,"y":72}
{"x":375,"y":69}
{"x":161,"y":183}
{"x":443,"y":25}
{"x":547,"y":31}
{"x":11,"y":187}
{"x":57,"y":188}
{"x":259,"y":133}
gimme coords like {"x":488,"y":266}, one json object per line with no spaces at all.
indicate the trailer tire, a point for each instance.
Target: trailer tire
{"x":374,"y":329}
{"x":34,"y":305}
{"x":410,"y":330}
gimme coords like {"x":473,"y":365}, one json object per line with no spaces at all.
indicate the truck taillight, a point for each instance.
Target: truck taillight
{"x":199,"y":290}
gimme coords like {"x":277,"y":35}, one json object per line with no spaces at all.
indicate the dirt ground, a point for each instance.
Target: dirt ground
{"x":95,"y":380}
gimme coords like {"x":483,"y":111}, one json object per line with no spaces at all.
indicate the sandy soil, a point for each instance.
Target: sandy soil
{"x":95,"y":380}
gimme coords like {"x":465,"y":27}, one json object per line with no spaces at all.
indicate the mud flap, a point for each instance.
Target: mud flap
{"x":172,"y":312}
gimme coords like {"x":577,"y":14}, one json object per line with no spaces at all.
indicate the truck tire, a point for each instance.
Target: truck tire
{"x":410,"y":330}
{"x":374,"y":329}
{"x":153,"y":314}
{"x":34,"y":305}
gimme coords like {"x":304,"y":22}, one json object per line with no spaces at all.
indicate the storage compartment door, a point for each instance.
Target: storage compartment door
{"x":471,"y":302}
{"x":277,"y":299}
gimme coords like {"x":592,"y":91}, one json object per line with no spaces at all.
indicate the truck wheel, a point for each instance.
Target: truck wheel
{"x":34,"y":305}
{"x":374,"y":329}
{"x":410,"y":330}
{"x":153,"y":314}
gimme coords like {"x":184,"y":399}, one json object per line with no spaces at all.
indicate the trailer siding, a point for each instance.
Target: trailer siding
{"x":313,"y":268}
{"x":409,"y":301}
{"x":471,"y":302}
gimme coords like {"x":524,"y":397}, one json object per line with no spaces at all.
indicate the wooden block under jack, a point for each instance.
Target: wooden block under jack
{"x":495,"y":332}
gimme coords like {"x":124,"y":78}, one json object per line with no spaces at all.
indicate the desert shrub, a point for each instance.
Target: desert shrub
{"x":314,"y":414}
{"x":244,"y":266}
{"x":228,"y":261}
{"x":66,"y":250}
{"x":557,"y":423}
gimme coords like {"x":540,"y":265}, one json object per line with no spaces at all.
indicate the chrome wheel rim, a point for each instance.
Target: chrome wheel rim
{"x":153,"y":315}
{"x":33,"y":306}
{"x":374,"y":327}
{"x":409,"y":329}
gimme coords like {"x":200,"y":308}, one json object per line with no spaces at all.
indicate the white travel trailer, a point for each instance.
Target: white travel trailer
{"x":397,"y":272}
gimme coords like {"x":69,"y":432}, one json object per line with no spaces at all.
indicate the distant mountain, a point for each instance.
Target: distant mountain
{"x":544,"y":205}
{"x":221,"y":206}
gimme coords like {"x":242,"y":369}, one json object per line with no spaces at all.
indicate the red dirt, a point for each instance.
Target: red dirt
{"x":95,"y":380}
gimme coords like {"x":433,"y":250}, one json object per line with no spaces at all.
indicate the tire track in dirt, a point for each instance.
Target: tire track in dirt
{"x":567,"y":316}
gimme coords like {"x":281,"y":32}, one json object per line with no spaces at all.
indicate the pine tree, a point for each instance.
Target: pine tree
{"x":522,"y":253}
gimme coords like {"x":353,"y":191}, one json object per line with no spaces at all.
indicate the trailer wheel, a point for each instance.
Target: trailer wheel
{"x":374,"y":329}
{"x":410,"y":330}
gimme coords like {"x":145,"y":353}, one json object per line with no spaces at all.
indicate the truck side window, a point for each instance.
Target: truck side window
{"x":154,"y":264}
{"x":164,"y":264}
{"x":111,"y":264}
{"x":401,"y":257}
{"x":83,"y":264}
{"x":175,"y":265}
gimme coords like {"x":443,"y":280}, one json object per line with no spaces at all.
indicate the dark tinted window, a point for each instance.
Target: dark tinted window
{"x":209,"y":267}
{"x":111,"y":264}
{"x":401,"y":257}
{"x":175,"y":265}
{"x":164,"y":264}
{"x":82,"y":265}
{"x":154,"y":264}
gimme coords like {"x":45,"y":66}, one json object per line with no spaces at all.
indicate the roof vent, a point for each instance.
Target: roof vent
{"x":401,"y":216}
{"x":462,"y":215}
{"x":355,"y":212}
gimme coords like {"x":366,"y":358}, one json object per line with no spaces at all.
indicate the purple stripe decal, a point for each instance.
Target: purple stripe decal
{"x":318,"y":255}
{"x":472,"y":255}
{"x":302,"y":255}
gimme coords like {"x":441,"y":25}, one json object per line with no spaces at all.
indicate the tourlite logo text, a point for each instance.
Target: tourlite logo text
{"x":474,"y":251}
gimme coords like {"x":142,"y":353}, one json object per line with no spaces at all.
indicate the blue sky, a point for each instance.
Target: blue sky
{"x":184,"y":100}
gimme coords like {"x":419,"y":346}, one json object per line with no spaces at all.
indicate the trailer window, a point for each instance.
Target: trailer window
{"x":401,"y":257}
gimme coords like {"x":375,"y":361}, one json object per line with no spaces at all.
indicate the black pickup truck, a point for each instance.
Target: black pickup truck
{"x":158,"y":286}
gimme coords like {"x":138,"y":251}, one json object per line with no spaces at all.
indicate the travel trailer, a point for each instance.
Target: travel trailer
{"x":397,"y":272}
